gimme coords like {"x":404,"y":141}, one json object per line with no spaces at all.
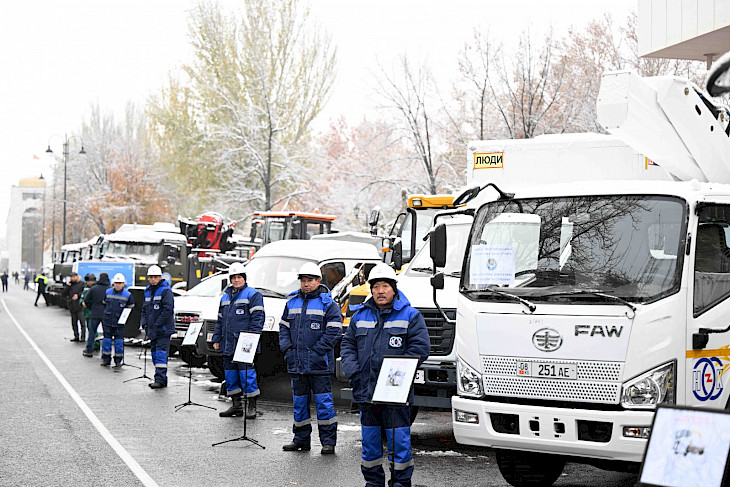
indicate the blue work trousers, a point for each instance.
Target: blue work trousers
{"x":240,"y":378}
{"x":160,"y":349}
{"x":115,"y":333}
{"x":321,"y":387}
{"x":372,"y":418}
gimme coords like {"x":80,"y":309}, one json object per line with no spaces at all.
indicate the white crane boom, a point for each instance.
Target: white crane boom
{"x":668,"y":119}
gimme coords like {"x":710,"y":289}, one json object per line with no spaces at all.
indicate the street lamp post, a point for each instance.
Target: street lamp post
{"x":66,"y":141}
{"x":43,"y":221}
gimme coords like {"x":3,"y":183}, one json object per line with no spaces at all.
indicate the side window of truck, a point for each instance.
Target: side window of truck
{"x":712,"y":258}
{"x":332,"y":273}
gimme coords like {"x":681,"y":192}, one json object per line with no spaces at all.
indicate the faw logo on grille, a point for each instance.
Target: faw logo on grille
{"x":547,"y":339}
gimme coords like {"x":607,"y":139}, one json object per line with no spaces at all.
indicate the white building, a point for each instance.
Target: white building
{"x":25,"y":226}
{"x":684,"y":29}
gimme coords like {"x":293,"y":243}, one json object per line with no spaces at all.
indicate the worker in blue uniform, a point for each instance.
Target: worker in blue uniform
{"x":309,"y":329}
{"x":386,"y":324}
{"x":158,"y":320}
{"x":241,"y":309}
{"x":116,"y":300}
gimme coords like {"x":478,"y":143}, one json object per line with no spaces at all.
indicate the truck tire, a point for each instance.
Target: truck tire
{"x":526,"y":469}
{"x":215,"y":365}
{"x":191,"y":358}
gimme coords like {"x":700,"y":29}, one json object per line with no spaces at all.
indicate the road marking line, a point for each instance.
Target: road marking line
{"x":135,"y":467}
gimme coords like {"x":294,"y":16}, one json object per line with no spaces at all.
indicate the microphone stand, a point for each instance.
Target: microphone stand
{"x":144,"y":372}
{"x":245,"y":410}
{"x":190,"y":382}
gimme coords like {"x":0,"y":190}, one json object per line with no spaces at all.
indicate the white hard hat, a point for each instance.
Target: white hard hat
{"x":382,"y":272}
{"x":310,"y":269}
{"x":119,"y":277}
{"x":236,"y":269}
{"x":154,"y":270}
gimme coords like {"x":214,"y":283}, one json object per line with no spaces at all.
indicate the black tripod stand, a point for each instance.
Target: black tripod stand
{"x":144,"y":372}
{"x":190,"y":383}
{"x":125,"y":364}
{"x":245,"y":410}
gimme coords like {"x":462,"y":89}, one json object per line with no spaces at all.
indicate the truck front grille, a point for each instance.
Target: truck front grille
{"x":183,"y":320}
{"x":439,"y":330}
{"x":596,"y":382}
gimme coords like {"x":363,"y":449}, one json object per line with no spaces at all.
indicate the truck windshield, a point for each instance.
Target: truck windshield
{"x":209,"y":287}
{"x":144,"y":252}
{"x":457,"y":235}
{"x":565,"y":248}
{"x":277,"y":274}
{"x":424,"y":221}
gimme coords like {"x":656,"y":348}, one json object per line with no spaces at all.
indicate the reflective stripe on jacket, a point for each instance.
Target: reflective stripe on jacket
{"x":114,"y":304}
{"x":372,"y":334}
{"x":308,"y":332}
{"x":158,"y":311}
{"x":238,"y":311}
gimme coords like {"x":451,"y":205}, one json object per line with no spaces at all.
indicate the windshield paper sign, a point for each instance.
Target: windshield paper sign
{"x":492,"y":264}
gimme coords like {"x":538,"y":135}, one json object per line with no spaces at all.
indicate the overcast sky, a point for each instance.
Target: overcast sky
{"x":59,"y":57}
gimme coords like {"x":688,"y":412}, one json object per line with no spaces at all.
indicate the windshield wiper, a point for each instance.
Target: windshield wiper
{"x":596,"y":292}
{"x":513,"y":297}
{"x":269,"y":293}
{"x":428,"y":270}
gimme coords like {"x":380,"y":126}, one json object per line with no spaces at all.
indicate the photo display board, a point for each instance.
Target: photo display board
{"x":395,"y":379}
{"x":248,"y":342}
{"x":687,"y":446}
{"x":191,"y":335}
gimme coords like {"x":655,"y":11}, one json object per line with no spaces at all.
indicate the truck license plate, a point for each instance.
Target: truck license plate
{"x":526,"y":368}
{"x":420,"y":377}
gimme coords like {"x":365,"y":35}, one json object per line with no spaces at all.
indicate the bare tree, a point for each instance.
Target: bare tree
{"x":413,"y":96}
{"x":119,"y":180}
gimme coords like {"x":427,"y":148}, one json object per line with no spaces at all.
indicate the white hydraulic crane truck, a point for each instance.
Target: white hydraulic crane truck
{"x":585,"y":304}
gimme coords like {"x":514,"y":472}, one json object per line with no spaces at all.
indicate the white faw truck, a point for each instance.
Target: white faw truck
{"x":585,"y":304}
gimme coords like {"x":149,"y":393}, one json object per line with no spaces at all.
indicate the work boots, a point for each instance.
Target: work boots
{"x":236,"y":409}
{"x":251,"y":411}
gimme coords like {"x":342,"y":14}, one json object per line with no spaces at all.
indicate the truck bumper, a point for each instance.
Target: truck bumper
{"x":562,"y":431}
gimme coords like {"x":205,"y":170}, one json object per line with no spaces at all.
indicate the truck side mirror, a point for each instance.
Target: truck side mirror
{"x":437,"y":280}
{"x":374,"y":217}
{"x":718,"y":80}
{"x":438,"y":245}
{"x":397,"y":254}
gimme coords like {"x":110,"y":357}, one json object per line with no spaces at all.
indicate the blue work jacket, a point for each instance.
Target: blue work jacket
{"x":308,"y":332}
{"x":158,"y":311}
{"x":238,"y":311}
{"x":372,"y":334}
{"x":114,"y":304}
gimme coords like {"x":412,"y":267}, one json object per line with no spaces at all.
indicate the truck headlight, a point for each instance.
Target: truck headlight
{"x":468,"y":380}
{"x":651,"y":388}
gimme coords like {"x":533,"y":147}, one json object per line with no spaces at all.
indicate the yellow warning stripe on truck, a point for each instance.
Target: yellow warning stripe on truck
{"x":708,"y":353}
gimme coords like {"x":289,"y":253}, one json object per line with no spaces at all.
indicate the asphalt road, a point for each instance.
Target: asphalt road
{"x":66,"y":421}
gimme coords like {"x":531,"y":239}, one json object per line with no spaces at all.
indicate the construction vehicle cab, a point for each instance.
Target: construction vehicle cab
{"x":271,"y":226}
{"x":415,"y":222}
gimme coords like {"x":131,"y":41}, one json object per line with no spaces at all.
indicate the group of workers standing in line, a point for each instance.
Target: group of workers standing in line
{"x":309,"y":330}
{"x":109,"y":304}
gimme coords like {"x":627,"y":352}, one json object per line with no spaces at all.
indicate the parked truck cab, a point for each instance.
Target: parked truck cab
{"x":584,"y":305}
